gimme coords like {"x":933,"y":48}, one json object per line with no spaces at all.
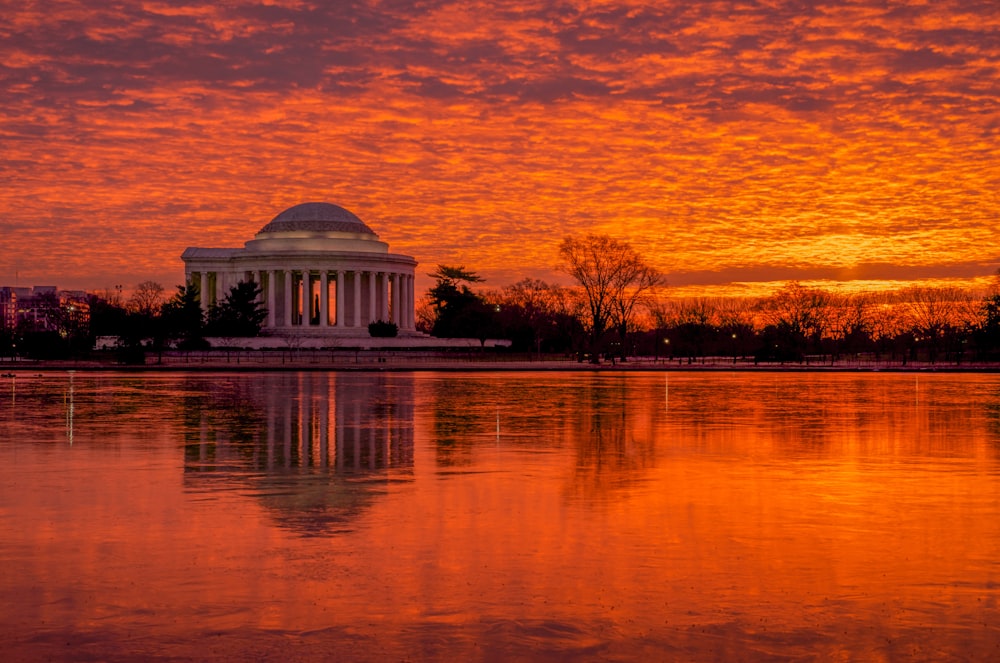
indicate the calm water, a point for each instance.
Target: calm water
{"x":500,"y":516}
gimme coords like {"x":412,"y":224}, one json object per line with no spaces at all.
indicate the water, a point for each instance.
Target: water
{"x":499,"y":516}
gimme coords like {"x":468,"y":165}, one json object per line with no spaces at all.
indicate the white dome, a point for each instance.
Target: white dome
{"x":317,"y":217}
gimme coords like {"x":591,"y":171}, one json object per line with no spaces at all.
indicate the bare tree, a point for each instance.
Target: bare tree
{"x":112,"y":296}
{"x":695,"y":311}
{"x":800,"y":309}
{"x":885,"y":321}
{"x":934,"y":313}
{"x":536,"y":297}
{"x":847,"y":320}
{"x":534,"y":314}
{"x":735,"y":313}
{"x":147,"y":299}
{"x":614,"y":278}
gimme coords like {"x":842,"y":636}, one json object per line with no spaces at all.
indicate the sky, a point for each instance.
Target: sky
{"x":735,"y":145}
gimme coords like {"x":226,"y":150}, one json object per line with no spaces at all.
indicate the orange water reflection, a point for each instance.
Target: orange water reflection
{"x":498,"y":516}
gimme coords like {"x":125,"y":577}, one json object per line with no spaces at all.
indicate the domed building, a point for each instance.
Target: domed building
{"x":322,"y":270}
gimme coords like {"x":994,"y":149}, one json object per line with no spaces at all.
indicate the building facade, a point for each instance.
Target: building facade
{"x":322,"y":270}
{"x":43,"y":308}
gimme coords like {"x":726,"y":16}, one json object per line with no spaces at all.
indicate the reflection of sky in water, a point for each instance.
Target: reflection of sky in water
{"x":499,"y":516}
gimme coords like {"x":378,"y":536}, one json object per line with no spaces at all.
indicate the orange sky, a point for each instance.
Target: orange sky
{"x":731,"y":142}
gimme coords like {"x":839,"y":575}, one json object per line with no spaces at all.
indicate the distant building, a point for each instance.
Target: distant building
{"x":43,"y":308}
{"x":8,"y":306}
{"x":323,"y":272}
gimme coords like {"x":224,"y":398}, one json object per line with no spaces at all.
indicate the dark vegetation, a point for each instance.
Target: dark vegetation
{"x":616,"y":310}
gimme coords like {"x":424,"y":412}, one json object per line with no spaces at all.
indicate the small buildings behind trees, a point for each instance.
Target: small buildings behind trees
{"x":43,"y":308}
{"x":43,"y":320}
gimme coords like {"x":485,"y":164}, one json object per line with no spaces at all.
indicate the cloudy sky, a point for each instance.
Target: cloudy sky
{"x":733,"y":143}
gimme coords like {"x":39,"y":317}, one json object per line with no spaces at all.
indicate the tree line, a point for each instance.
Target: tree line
{"x":146,"y":320}
{"x":617,"y":308}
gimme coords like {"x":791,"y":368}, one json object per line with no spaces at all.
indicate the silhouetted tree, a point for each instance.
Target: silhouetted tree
{"x":147,"y":299}
{"x":536,"y":316}
{"x":182,"y":318}
{"x":933,"y":316}
{"x":42,"y":344}
{"x":988,"y":334}
{"x":799,"y":317}
{"x":8,"y":342}
{"x":132,"y":327}
{"x":459,"y":312}
{"x":240,"y":314}
{"x":848,"y":323}
{"x":614,"y":277}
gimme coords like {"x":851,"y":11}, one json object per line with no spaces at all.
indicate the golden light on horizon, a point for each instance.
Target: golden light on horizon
{"x":730,"y":145}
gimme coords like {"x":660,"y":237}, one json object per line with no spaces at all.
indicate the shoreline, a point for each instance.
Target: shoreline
{"x":234,"y":362}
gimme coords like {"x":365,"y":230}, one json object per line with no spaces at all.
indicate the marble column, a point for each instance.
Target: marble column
{"x":383,"y":296}
{"x":399,"y":298}
{"x":203,"y":292}
{"x":288,"y":298}
{"x":357,"y":299}
{"x":411,"y":302}
{"x":324,"y":298}
{"x":404,"y":299}
{"x":408,"y":301}
{"x":272,"y":298}
{"x":394,"y":280}
{"x":340,"y":298}
{"x":259,"y":278}
{"x":307,"y":298}
{"x":371,"y":297}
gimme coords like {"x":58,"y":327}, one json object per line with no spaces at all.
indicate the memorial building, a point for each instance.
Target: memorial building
{"x":322,"y":270}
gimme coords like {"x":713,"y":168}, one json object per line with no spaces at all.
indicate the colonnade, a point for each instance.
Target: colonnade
{"x":335,"y":299}
{"x":311,"y":421}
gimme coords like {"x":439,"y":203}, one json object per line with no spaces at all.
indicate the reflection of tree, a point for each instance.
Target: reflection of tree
{"x":607,"y":420}
{"x":993,"y":413}
{"x":614,"y":449}
{"x":299,"y":442}
{"x":461,"y":417}
{"x":110,"y":406}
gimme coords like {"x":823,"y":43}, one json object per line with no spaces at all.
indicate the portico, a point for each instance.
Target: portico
{"x":322,"y":271}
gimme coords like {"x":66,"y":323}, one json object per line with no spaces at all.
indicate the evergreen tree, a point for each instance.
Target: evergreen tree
{"x":459,"y":312}
{"x":240,"y":314}
{"x":182,"y":318}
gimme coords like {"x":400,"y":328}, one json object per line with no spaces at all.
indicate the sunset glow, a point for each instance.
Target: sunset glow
{"x":734,"y":144}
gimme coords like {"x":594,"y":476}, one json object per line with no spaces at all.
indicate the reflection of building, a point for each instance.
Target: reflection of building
{"x":341,"y":422}
{"x":322,"y":270}
{"x":297,"y":440}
